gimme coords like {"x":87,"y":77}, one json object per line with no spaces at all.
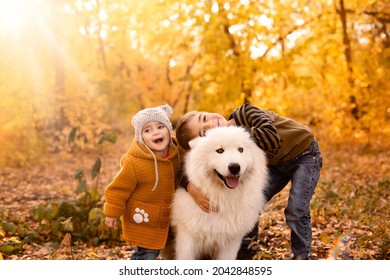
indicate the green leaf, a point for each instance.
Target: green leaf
{"x":96,"y":168}
{"x":82,"y":186}
{"x":55,"y":227}
{"x":95,"y":196}
{"x":9,"y":227}
{"x":87,"y":198}
{"x":85,"y":139}
{"x":50,"y":212}
{"x":94,"y":214}
{"x":112,"y":137}
{"x":67,"y":209}
{"x":37,"y":213}
{"x":72,"y":135}
{"x":9,"y":249}
{"x":101,"y":139}
{"x":79,"y":174}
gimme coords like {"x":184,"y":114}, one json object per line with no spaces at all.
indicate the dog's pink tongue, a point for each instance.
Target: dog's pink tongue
{"x":232,"y":182}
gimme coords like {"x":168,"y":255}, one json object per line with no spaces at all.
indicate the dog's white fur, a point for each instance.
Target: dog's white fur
{"x":218,"y":235}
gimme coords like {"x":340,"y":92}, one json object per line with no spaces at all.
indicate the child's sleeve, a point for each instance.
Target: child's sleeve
{"x":119,"y":190}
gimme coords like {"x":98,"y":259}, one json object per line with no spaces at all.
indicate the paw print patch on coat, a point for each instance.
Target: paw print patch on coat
{"x":140,"y":216}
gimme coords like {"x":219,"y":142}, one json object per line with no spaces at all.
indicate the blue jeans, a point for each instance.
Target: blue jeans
{"x":303,"y":172}
{"x":145,"y":254}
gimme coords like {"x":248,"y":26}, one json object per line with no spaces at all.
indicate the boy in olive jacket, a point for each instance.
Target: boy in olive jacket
{"x":293,"y":156}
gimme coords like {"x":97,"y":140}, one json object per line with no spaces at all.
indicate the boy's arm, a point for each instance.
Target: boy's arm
{"x":195,"y":193}
{"x":202,"y":201}
{"x":262,"y":127}
{"x":182,"y":179}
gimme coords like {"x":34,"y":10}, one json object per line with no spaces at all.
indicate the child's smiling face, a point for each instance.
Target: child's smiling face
{"x":204,"y":121}
{"x":156,"y":136}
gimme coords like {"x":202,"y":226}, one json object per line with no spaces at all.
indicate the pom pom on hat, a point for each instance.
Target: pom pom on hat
{"x":160,"y":114}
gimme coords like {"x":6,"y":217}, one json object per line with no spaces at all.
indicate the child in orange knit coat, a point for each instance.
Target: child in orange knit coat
{"x":141,"y":193}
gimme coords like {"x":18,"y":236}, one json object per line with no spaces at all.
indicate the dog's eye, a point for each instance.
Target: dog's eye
{"x":241,"y":150}
{"x":220,"y":151}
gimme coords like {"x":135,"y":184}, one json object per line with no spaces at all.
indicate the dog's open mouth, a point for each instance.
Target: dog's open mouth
{"x":230,"y":181}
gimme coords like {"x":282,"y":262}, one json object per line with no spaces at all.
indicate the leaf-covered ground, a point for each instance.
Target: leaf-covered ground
{"x":350,"y":213}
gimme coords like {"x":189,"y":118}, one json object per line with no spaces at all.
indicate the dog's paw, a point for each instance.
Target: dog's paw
{"x":140,"y":216}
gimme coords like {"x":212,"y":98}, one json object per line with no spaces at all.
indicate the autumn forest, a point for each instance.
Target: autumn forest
{"x":74,"y":72}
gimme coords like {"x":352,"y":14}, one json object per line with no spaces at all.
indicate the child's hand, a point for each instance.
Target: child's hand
{"x":111,"y":222}
{"x":200,"y":199}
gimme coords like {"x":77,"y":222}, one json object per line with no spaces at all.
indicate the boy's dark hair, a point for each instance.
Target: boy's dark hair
{"x":182,"y":130}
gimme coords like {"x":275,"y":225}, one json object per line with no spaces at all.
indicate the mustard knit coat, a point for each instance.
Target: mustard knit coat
{"x":145,"y":213}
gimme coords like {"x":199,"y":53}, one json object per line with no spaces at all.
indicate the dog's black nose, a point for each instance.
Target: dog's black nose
{"x":234,"y":168}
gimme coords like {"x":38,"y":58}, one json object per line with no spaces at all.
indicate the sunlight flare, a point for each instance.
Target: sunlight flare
{"x":19,"y":17}
{"x":13,"y":13}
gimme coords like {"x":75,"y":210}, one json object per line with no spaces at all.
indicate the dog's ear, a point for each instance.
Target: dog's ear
{"x":194,"y":142}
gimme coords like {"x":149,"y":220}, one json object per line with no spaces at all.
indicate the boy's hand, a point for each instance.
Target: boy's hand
{"x":200,"y":199}
{"x":111,"y":222}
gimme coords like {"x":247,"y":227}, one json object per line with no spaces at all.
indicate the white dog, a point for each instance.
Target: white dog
{"x":230,"y":169}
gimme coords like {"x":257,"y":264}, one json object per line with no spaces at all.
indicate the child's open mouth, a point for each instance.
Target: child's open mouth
{"x":158,"y":140}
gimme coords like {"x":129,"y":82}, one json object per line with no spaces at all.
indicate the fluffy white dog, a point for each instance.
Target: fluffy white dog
{"x":230,"y":169}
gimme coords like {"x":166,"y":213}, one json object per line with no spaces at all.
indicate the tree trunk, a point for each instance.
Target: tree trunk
{"x":348,"y":58}
{"x":346,"y":42}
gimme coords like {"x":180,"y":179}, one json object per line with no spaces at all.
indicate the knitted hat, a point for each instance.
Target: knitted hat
{"x":159,"y":114}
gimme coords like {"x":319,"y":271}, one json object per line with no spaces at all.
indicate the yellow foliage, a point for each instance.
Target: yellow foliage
{"x":95,"y":65}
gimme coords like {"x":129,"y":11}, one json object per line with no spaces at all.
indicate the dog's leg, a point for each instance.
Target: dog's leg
{"x":229,"y":251}
{"x":185,"y":247}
